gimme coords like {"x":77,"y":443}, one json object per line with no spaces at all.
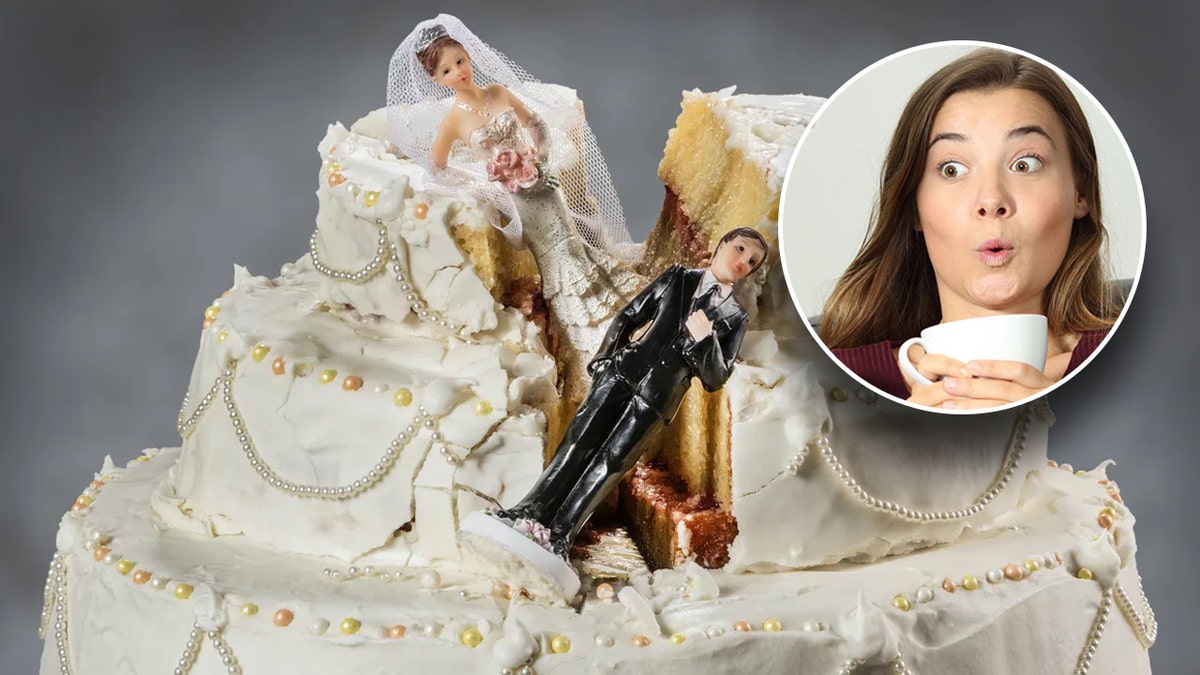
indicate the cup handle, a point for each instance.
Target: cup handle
{"x":907,"y":366}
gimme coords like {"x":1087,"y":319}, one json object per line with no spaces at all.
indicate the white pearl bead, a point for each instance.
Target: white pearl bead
{"x":431,"y":579}
{"x":318,"y":627}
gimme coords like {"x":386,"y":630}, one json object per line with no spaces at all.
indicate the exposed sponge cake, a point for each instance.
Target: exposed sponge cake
{"x":723,"y":168}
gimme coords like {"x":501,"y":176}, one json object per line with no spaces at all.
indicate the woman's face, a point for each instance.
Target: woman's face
{"x":453,"y":68}
{"x":996,"y":202}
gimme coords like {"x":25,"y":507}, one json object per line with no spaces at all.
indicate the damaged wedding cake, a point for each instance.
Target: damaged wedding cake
{"x":343,"y":416}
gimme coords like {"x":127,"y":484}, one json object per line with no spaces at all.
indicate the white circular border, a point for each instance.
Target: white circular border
{"x":1141,"y":195}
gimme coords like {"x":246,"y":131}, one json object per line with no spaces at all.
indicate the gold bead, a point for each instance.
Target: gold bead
{"x":483,"y":407}
{"x":260,"y":351}
{"x":421,"y":210}
{"x":1081,"y":473}
{"x":561,"y":644}
{"x":839,"y":394}
{"x":397,"y":631}
{"x":901,"y":603}
{"x":183,"y":591}
{"x":471,"y":637}
{"x":1084,"y":573}
{"x":352,"y":383}
{"x":249,"y":609}
{"x":1032,"y":565}
{"x":350,"y":626}
{"x":371,"y":197}
{"x":772,"y":626}
{"x":334,"y":167}
{"x":222,"y":335}
{"x":124,"y":565}
{"x":970,"y":583}
{"x":212,"y":312}
{"x":143,"y":458}
{"x":336,"y":179}
{"x":402,"y":397}
{"x":327,"y":375}
{"x":85,"y":500}
{"x":742,"y":626}
{"x":278,"y":366}
{"x":283,"y":617}
{"x":678,"y":639}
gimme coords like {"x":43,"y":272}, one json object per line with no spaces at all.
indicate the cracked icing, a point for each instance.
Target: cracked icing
{"x":1037,"y":624}
{"x":318,"y":434}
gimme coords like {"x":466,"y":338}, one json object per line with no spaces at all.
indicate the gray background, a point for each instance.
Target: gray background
{"x":148,"y":147}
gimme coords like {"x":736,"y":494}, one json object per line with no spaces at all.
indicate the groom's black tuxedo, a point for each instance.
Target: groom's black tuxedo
{"x":637,"y":386}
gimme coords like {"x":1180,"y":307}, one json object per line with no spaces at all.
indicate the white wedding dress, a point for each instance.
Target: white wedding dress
{"x":583,"y":286}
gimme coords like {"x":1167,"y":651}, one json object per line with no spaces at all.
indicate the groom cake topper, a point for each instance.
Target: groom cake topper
{"x":688,"y":325}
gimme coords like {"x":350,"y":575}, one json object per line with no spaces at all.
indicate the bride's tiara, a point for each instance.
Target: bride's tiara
{"x":428,"y":35}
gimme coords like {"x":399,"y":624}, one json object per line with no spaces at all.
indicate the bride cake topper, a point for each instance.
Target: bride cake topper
{"x":426,"y":112}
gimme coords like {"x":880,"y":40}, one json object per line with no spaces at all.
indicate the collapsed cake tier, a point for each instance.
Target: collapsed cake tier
{"x":1053,"y":590}
{"x":367,"y":402}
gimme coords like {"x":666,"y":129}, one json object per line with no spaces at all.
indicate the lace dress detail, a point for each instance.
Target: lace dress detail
{"x":583,"y":286}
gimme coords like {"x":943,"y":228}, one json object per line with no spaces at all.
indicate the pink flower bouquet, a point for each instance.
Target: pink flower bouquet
{"x":515,"y":170}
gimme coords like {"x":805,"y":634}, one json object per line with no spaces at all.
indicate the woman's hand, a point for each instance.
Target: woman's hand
{"x":975,"y":384}
{"x":935,"y":367}
{"x":986,"y":384}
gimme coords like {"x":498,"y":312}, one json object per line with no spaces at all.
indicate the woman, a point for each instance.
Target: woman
{"x":526,"y":149}
{"x":989,"y":204}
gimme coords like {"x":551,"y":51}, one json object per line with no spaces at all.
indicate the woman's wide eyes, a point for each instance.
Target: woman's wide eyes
{"x":952,"y":169}
{"x":1026,"y":164}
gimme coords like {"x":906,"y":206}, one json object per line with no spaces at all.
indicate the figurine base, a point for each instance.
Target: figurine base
{"x":513,"y":558}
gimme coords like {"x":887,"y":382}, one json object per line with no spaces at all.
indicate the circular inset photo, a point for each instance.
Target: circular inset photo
{"x":962,"y":227}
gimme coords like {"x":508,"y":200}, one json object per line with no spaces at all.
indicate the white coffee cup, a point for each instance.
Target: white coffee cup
{"x":1007,"y":337}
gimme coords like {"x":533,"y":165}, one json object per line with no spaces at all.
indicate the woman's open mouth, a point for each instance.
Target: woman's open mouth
{"x":995,"y":252}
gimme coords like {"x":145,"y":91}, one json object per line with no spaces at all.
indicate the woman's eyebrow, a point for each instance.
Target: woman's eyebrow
{"x":948,"y":137}
{"x":1030,"y":129}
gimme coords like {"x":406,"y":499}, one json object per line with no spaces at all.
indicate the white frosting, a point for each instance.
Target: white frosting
{"x":484,"y":396}
{"x":418,"y":227}
{"x":1037,"y":624}
{"x":766,"y":128}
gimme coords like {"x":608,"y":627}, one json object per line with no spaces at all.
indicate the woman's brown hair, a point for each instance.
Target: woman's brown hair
{"x":428,"y":57}
{"x":889,"y":291}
